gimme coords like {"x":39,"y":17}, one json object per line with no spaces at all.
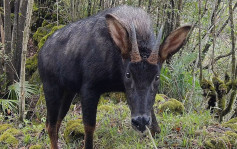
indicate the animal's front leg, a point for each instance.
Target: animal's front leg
{"x":89,"y":107}
{"x":155,"y":129}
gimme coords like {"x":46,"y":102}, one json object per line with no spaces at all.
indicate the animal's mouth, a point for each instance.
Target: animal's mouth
{"x":140,"y":129}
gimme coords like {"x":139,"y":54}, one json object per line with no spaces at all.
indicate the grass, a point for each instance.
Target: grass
{"x":113,"y":130}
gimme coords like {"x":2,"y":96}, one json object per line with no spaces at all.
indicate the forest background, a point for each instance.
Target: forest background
{"x":196,"y":104}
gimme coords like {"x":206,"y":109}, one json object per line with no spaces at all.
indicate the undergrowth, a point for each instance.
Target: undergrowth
{"x":113,"y":130}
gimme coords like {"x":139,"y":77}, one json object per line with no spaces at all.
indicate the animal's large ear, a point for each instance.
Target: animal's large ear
{"x":173,"y":42}
{"x":119,"y":34}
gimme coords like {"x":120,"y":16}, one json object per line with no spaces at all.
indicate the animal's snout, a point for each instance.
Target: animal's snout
{"x":140,"y":122}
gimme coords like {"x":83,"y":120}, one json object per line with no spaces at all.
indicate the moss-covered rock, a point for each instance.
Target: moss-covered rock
{"x":74,"y":131}
{"x":4,"y":127}
{"x":13,"y":131}
{"x":172,"y":105}
{"x":161,"y":98}
{"x":37,"y":146}
{"x":9,"y":140}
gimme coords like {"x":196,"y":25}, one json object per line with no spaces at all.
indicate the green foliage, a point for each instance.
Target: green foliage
{"x":176,"y":79}
{"x":14,"y":90}
{"x":36,"y":147}
{"x":41,"y":104}
{"x":14,"y":94}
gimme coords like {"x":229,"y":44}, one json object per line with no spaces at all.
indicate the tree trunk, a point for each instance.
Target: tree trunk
{"x":18,"y":50}
{"x":179,"y":6}
{"x":232,"y":41}
{"x":7,"y":42}
{"x":14,"y":31}
{"x":1,"y":49}
{"x":23,"y":59}
{"x":199,"y":40}
{"x":207,"y":46}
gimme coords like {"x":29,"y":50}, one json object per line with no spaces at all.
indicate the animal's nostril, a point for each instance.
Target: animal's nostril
{"x":146,"y":120}
{"x":135,"y":122}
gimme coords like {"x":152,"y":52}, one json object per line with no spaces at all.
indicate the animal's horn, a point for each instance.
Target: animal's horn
{"x":135,"y":55}
{"x":153,"y":58}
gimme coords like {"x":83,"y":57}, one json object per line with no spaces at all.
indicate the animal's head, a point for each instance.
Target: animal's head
{"x":141,"y":76}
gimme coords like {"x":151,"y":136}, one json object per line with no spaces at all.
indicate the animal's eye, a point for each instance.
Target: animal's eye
{"x":157,"y":78}
{"x":128,"y":75}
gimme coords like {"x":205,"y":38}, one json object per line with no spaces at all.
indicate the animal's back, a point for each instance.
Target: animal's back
{"x":84,"y":51}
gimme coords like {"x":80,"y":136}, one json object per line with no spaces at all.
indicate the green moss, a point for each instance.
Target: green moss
{"x":227,"y":77}
{"x":232,"y":137}
{"x":32,"y":64}
{"x":74,"y":131}
{"x":35,"y":78}
{"x":205,"y":84}
{"x":217,"y":143}
{"x":41,"y":32}
{"x":173,"y":106}
{"x":41,"y":35}
{"x":160,"y":98}
{"x":37,"y":146}
{"x":41,"y":104}
{"x":105,"y":108}
{"x":234,"y":85}
{"x":45,"y":23}
{"x":102,"y":100}
{"x":13,"y":131}
{"x":231,"y":124}
{"x":9,"y":139}
{"x":43,"y":39}
{"x":4,"y":127}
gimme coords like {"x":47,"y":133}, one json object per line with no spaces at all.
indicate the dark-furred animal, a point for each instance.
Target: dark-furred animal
{"x":114,"y":50}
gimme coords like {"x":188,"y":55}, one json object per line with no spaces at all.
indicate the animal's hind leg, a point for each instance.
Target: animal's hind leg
{"x":65,"y":105}
{"x":53,"y":96}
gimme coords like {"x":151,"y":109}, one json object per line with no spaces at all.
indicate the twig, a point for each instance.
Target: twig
{"x":150,"y":136}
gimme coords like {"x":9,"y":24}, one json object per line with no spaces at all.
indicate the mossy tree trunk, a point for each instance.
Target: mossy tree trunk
{"x":23,"y":59}
{"x":232,"y":40}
